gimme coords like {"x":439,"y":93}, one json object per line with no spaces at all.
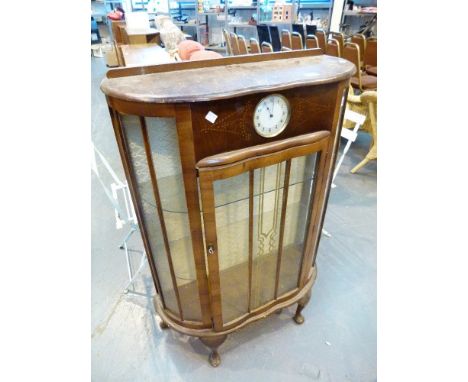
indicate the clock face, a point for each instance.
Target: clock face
{"x":271,"y":115}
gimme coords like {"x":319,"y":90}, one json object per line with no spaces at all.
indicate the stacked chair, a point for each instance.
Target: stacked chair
{"x":361,"y":80}
{"x":370,"y":56}
{"x":286,"y":39}
{"x":267,"y":47}
{"x":227,"y":39}
{"x":237,"y":45}
{"x":242,"y":44}
{"x":360,"y":51}
{"x":340,"y":38}
{"x":254,"y":46}
{"x":333,"y":48}
{"x":311,"y":42}
{"x":360,"y":40}
{"x":296,"y":41}
{"x":299,"y":28}
{"x":322,"y":39}
{"x":234,"y":41}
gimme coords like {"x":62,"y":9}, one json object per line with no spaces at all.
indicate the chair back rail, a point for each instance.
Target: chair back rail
{"x":242,"y":45}
{"x":286,"y":39}
{"x":360,"y":40}
{"x":322,"y":39}
{"x":267,"y":47}
{"x":311,"y":42}
{"x":333,"y":48}
{"x":370,"y":58}
{"x":351,"y":53}
{"x":296,"y":41}
{"x":227,"y":38}
{"x":234,"y":44}
{"x":338,"y":36}
{"x":254,"y":46}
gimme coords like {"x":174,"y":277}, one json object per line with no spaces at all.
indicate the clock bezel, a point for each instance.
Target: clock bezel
{"x":286,"y":122}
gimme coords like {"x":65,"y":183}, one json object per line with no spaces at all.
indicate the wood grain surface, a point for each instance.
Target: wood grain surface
{"x":221,"y":82}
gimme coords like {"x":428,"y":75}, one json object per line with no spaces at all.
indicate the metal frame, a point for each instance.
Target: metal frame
{"x":350,"y":136}
{"x":123,"y":215}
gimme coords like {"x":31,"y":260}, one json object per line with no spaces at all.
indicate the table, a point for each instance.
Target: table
{"x":142,"y":36}
{"x":144,"y":54}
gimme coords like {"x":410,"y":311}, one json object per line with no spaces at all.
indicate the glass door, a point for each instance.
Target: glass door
{"x":256,"y":212}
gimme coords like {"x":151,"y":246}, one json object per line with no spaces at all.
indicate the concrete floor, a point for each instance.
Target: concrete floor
{"x":337,"y":342}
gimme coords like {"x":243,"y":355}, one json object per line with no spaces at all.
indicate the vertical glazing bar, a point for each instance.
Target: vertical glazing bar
{"x":251,"y":207}
{"x":157,"y":198}
{"x":187,"y":158}
{"x":309,"y":212}
{"x":209,"y":218}
{"x":124,"y":154}
{"x":283,"y":219}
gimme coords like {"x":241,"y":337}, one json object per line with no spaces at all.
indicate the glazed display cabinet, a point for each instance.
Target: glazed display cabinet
{"x":229,"y":164}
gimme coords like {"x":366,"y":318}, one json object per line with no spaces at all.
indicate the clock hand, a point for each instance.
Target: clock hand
{"x":269,"y":111}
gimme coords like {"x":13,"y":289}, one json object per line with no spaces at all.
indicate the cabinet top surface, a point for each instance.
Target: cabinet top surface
{"x":226,"y":81}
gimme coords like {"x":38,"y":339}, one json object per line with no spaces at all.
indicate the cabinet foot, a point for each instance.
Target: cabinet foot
{"x":214,"y":358}
{"x":298,"y":317}
{"x":213,"y":343}
{"x":163,"y":325}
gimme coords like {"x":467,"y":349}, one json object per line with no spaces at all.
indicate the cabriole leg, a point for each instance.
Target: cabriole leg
{"x":298,"y":317}
{"x":163,"y":325}
{"x":213,"y":343}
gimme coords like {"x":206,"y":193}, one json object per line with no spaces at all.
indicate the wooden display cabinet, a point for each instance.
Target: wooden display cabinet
{"x":229,"y":163}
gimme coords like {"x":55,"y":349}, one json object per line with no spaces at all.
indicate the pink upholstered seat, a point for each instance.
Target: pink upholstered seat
{"x":188,"y":47}
{"x":204,"y":55}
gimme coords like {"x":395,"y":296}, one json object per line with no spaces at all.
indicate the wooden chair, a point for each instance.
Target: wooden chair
{"x":263,"y":33}
{"x":361,"y":81}
{"x":365,"y":104}
{"x":370,"y":57}
{"x":242,"y":45}
{"x":117,"y":31}
{"x":234,"y":44}
{"x":322,"y":40}
{"x":333,"y":48}
{"x":299,"y":28}
{"x":267,"y":47}
{"x":296,"y":41}
{"x":228,"y":42}
{"x":286,"y":39}
{"x":254,"y":46}
{"x":360,"y":40}
{"x":275,"y":38}
{"x":311,"y":42}
{"x":338,"y":36}
{"x":311,"y":29}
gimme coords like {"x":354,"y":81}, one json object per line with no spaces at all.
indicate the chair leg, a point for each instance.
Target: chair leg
{"x":360,"y":165}
{"x":371,"y":155}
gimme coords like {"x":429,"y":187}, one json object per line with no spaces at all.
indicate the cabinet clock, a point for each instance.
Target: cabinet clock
{"x":229,"y":164}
